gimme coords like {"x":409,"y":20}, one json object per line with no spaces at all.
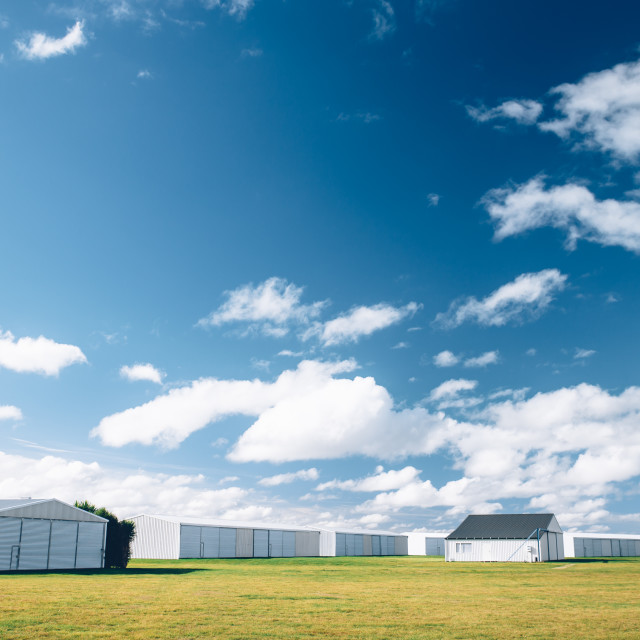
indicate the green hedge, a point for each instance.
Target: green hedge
{"x":120,"y":533}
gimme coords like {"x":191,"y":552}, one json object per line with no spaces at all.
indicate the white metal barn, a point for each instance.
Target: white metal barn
{"x":173,"y":537}
{"x":362,"y":543}
{"x":526,"y":537}
{"x":601,"y":545}
{"x":49,"y":534}
{"x":426,"y":544}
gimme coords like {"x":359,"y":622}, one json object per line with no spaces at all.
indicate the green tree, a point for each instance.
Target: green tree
{"x":120,"y":534}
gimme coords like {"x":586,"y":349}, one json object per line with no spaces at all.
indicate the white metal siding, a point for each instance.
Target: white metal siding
{"x":367,"y":549}
{"x":227,"y":542}
{"x":307,"y":543}
{"x":190,"y":541}
{"x":492,"y":550}
{"x":341,"y":544}
{"x":358,"y":545}
{"x":155,"y":538}
{"x":288,"y":544}
{"x":9,"y":542}
{"x":401,"y":546}
{"x":260,"y":543}
{"x":375,"y":546}
{"x":244,"y":543}
{"x":89,"y":554}
{"x":275,"y":543}
{"x":62,"y":547}
{"x":327,"y":543}
{"x":391,"y":546}
{"x":34,"y":544}
{"x":209,"y":542}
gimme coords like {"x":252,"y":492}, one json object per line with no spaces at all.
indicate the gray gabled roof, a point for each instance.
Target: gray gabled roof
{"x":47,"y":509}
{"x":505,"y":526}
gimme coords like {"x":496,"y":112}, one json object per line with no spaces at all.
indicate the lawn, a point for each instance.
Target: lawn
{"x":401,"y":597}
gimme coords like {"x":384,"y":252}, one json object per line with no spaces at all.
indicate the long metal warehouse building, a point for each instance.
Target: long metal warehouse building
{"x":173,"y":537}
{"x":49,"y":534}
{"x":362,"y":543}
{"x":601,"y":545}
{"x":525,"y":537}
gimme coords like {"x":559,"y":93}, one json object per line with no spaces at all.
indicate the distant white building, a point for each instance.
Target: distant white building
{"x":173,"y":537}
{"x":38,"y":535}
{"x":426,"y":544}
{"x":601,"y":545}
{"x":527,"y":537}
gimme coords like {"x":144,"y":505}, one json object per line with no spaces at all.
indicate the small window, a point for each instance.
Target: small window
{"x":463,"y":547}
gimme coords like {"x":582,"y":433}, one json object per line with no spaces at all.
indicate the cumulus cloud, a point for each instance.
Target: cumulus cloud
{"x":306,"y":413}
{"x":452,"y":388}
{"x":288,"y":478}
{"x":522,"y":111}
{"x":384,"y":20}
{"x":269,"y":307}
{"x":487,"y":358}
{"x":381,"y":481}
{"x":603,"y":109}
{"x":37,"y":355}
{"x":570,"y":207}
{"x":41,"y":46}
{"x":142,"y":372}
{"x":126,"y":493}
{"x":446,"y":359}
{"x":525,"y":298}
{"x":562,"y":450}
{"x":9,"y":412}
{"x":359,"y":322}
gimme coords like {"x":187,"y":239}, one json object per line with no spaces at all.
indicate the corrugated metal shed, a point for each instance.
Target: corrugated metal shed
{"x":49,"y":534}
{"x":507,"y":526}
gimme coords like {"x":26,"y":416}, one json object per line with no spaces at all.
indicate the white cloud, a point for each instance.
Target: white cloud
{"x":288,"y":478}
{"x":384,"y":20}
{"x":490,"y":357}
{"x":563,"y":450}
{"x":401,"y":345}
{"x":142,"y":372}
{"x":144,"y":74}
{"x":362,"y":116}
{"x":252,"y":53}
{"x":268,"y":307}
{"x":433,"y":199}
{"x":41,"y":46}
{"x":9,"y":412}
{"x":525,"y":298}
{"x":381,"y":481}
{"x":238,"y":8}
{"x":446,"y":359}
{"x":570,"y":207}
{"x":124,"y":492}
{"x":452,"y":388}
{"x":306,"y":413}
{"x":603,"y":109}
{"x":291,"y":354}
{"x":581,"y":354}
{"x":360,"y":321}
{"x":37,"y":355}
{"x":522,"y":111}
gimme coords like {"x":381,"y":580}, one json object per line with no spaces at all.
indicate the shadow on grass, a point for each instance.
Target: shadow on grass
{"x":135,"y":571}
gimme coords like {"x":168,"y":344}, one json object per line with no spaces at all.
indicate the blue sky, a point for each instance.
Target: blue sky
{"x":368,"y":263}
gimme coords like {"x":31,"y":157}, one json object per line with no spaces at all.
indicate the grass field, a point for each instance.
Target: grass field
{"x":402,"y":597}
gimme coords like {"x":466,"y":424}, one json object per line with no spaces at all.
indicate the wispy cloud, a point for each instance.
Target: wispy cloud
{"x":144,"y":74}
{"x":452,"y":388}
{"x":253,"y":52}
{"x":384,"y":20}
{"x":37,"y":355}
{"x":361,"y":321}
{"x":270,"y":308}
{"x":361,"y":116}
{"x":521,"y":111}
{"x":525,"y":298}
{"x":570,"y":207}
{"x":581,"y":354}
{"x":142,"y":372}
{"x":41,"y":46}
{"x":487,"y":358}
{"x":288,"y":478}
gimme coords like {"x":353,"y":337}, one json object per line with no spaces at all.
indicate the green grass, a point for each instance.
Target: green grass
{"x":405,"y":598}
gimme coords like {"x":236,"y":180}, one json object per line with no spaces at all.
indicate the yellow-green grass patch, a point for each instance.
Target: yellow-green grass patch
{"x":295,"y":598}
